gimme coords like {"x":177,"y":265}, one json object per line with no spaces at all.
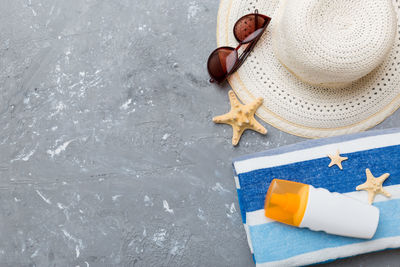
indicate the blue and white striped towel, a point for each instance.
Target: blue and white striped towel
{"x":276,"y":244}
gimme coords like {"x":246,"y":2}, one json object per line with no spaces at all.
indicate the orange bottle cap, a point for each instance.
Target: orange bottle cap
{"x":286,"y":201}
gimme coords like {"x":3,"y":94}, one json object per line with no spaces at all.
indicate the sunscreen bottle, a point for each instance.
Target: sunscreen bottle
{"x":318,"y":209}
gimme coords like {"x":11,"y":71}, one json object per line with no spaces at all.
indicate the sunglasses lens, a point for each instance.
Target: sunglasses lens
{"x":249,"y":27}
{"x":221,"y":62}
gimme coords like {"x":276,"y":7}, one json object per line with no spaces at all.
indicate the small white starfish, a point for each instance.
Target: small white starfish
{"x":337,"y":160}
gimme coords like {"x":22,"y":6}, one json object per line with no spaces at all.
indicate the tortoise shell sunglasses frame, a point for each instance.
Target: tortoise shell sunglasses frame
{"x":225,"y":60}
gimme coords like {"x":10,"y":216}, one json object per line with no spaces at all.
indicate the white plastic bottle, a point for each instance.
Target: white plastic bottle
{"x":303,"y":205}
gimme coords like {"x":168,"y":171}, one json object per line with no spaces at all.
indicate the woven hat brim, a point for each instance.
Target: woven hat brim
{"x":300,"y":109}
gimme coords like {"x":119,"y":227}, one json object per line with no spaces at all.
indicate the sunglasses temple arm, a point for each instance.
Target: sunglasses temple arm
{"x":256,"y":17}
{"x":243,"y":56}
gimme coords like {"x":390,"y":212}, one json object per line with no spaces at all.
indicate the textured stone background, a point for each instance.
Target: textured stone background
{"x":108,"y":155}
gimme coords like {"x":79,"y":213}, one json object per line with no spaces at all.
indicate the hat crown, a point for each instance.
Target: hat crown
{"x":334,"y":42}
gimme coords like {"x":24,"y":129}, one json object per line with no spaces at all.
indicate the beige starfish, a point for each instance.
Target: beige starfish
{"x":337,"y":160}
{"x":241,"y":117}
{"x":374,"y":186}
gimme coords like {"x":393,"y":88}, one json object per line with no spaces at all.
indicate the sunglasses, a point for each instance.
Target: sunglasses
{"x":225,"y":60}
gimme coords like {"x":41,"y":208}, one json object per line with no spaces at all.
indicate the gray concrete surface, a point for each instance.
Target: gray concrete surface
{"x":108,"y":156}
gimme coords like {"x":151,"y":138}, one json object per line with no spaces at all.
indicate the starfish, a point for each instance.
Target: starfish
{"x":241,"y":117}
{"x":374,"y":186}
{"x":337,"y":160}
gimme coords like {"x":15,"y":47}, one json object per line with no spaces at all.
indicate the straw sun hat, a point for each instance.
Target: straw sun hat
{"x":323,"y":67}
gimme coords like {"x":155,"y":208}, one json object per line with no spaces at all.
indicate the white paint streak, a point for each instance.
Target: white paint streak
{"x":147,"y":201}
{"x":177,"y":249}
{"x":218,"y":188}
{"x":31,"y":8}
{"x":114,"y":198}
{"x":77,"y":251}
{"x":29,"y":155}
{"x":25,"y":157}
{"x":64,"y":209}
{"x":159,"y":237}
{"x":192,"y":10}
{"x":58,"y":108}
{"x":59,"y":149}
{"x":77,"y":241}
{"x":173,"y":250}
{"x":232,"y":208}
{"x":144,"y":27}
{"x":166,"y":207}
{"x":43,"y":197}
{"x":35,"y":253}
{"x":126,"y":105}
{"x":51,"y":10}
{"x":200,"y":214}
{"x":165,"y":136}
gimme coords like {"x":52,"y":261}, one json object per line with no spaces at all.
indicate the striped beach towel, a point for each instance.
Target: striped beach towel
{"x":276,"y":244}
